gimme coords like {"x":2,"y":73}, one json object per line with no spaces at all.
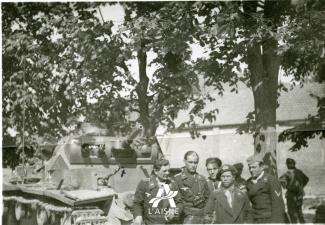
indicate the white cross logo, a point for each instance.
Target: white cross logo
{"x":168,"y":195}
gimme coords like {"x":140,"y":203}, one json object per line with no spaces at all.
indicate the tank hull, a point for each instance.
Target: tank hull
{"x":33,"y":205}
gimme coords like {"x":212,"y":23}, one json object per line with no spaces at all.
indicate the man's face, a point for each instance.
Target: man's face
{"x":191,"y":163}
{"x":255,"y":169}
{"x":239,"y":171}
{"x":163,"y":173}
{"x":212,"y":169}
{"x":290,"y":165}
{"x":227,"y":179}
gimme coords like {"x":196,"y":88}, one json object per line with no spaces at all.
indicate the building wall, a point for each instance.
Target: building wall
{"x":223,"y":143}
{"x":232,"y":148}
{"x":174,"y":146}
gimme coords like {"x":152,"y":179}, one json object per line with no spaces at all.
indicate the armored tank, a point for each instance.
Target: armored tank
{"x":77,"y":184}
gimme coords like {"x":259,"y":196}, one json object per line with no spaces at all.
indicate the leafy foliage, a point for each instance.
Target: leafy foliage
{"x":237,"y":31}
{"x":312,"y":127}
{"x":61,"y":61}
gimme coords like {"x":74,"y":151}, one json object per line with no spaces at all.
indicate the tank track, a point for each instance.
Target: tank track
{"x":23,"y":211}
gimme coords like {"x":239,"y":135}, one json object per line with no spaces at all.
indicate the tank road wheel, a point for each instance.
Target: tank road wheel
{"x":5,"y":209}
{"x":33,"y":206}
{"x":65,"y":219}
{"x":52,"y":217}
{"x":41,"y":216}
{"x":19,"y":211}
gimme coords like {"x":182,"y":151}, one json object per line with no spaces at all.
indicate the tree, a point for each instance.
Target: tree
{"x":48,"y":66}
{"x":61,"y":61}
{"x":263,"y":35}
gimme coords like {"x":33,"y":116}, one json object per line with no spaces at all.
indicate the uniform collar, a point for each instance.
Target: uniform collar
{"x":186,"y":174}
{"x":258,"y":178}
{"x":231,"y":189}
{"x":155,"y":182}
{"x":213,"y":180}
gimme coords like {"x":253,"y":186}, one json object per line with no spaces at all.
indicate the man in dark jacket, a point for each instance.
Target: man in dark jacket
{"x":264,"y":192}
{"x":194,"y":190}
{"x":228,"y":203}
{"x":295,"y":181}
{"x":157,"y":199}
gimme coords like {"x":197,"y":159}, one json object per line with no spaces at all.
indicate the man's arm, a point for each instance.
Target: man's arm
{"x":303,"y":178}
{"x":178,"y":198}
{"x":178,"y":201}
{"x":277,"y":207}
{"x":248,"y":213}
{"x":206,"y":189}
{"x":138,"y":203}
{"x":209,"y":209}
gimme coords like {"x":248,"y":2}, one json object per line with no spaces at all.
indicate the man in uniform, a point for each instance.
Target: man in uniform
{"x":229,"y":203}
{"x":264,"y":191}
{"x":157,"y":199}
{"x":239,"y":181}
{"x":295,"y":181}
{"x":213,"y":165}
{"x":194,"y":190}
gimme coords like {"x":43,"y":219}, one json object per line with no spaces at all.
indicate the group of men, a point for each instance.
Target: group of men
{"x":223,"y":197}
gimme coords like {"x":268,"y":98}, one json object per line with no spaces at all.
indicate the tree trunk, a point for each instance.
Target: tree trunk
{"x":143,"y":98}
{"x":263,"y":64}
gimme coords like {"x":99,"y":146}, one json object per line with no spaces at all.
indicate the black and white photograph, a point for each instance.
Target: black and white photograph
{"x":163,"y":112}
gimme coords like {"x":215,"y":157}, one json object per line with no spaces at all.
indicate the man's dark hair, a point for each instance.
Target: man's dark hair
{"x":290,"y":161}
{"x":239,"y":166}
{"x":160,"y":163}
{"x":188,"y":153}
{"x":214,"y":160}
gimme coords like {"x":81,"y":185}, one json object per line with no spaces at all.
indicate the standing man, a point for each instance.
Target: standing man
{"x":213,"y":165}
{"x":264,"y":191}
{"x":194,"y":190}
{"x":157,"y":199}
{"x":239,"y":181}
{"x":229,"y":203}
{"x":295,"y":181}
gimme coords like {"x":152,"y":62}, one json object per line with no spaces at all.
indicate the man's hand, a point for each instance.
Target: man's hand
{"x":170,"y":214}
{"x":208,"y":219}
{"x":138,"y":220}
